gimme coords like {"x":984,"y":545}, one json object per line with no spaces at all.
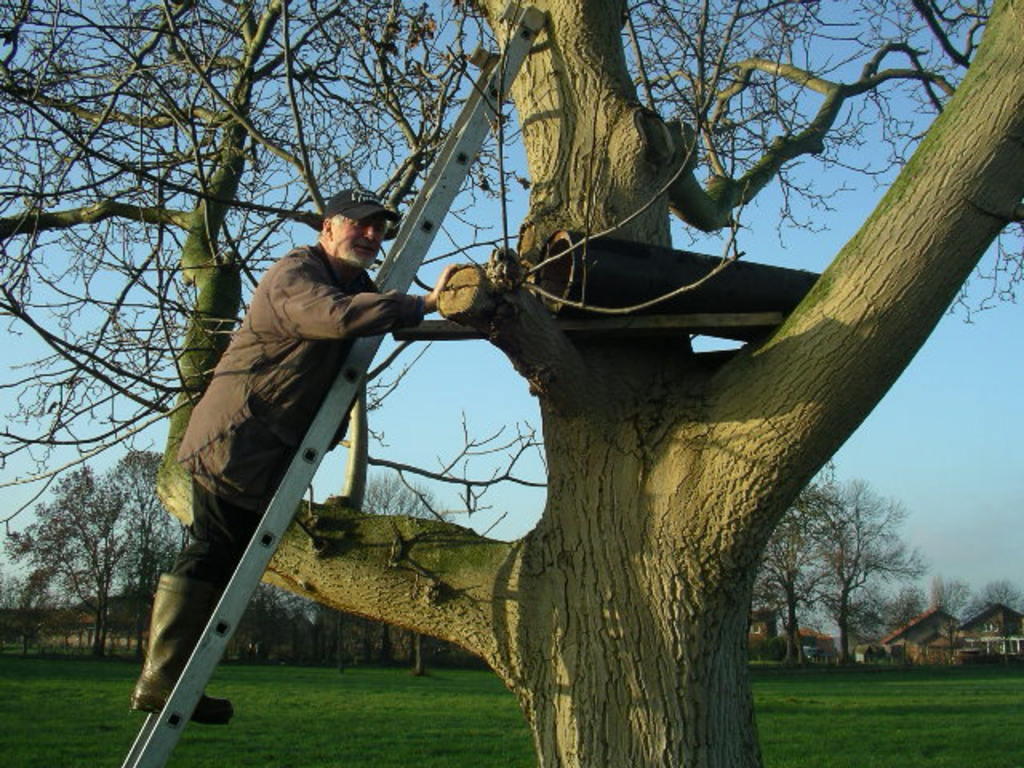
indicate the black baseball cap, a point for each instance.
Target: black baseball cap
{"x":358,"y":204}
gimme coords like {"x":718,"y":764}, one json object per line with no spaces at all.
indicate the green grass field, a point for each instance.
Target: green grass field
{"x":947,"y":717}
{"x":73,"y":714}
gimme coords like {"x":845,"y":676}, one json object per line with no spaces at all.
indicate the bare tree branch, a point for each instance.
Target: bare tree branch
{"x":31,"y":221}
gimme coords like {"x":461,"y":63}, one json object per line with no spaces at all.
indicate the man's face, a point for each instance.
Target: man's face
{"x":353,"y":242}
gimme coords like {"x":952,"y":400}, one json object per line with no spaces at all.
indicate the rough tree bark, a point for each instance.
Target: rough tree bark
{"x":619,"y":621}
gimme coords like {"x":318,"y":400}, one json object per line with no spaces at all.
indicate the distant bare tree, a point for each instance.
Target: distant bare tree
{"x":792,"y":570}
{"x":100,"y":534}
{"x":861,"y":548}
{"x":907,"y":603}
{"x":388,"y":494}
{"x":1001,"y":591}
{"x":80,"y":538}
{"x":26,"y":602}
{"x":951,"y":595}
{"x":154,"y":537}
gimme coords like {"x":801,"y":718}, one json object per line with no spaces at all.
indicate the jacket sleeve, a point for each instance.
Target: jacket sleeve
{"x":297,"y":298}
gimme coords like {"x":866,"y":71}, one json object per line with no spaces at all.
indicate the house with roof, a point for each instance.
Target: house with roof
{"x":762,"y":635}
{"x":762,"y":627}
{"x":817,"y":646}
{"x":929,"y":638}
{"x":995,"y":632}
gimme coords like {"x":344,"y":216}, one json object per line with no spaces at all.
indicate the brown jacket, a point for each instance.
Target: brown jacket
{"x":277,"y":369}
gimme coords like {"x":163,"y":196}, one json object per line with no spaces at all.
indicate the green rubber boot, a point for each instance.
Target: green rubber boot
{"x":181,"y":609}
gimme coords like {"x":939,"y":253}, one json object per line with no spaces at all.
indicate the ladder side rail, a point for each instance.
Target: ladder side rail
{"x":161,"y":732}
{"x":419,"y":224}
{"x":440,"y":188}
{"x":142,"y":740}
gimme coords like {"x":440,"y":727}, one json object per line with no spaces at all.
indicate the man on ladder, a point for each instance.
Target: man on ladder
{"x":265,"y":392}
{"x":245,"y":452}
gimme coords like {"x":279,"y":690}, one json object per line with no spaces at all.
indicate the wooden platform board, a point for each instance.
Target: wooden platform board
{"x":736,"y":326}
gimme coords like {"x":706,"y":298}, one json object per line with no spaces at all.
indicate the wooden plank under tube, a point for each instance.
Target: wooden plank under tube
{"x":726,"y":325}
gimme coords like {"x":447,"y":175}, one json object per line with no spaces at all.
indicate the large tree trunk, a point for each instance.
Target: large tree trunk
{"x":594,"y":154}
{"x":617,"y":626}
{"x":631,"y":645}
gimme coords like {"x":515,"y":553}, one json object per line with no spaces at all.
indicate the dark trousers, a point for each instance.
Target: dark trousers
{"x":217,"y":538}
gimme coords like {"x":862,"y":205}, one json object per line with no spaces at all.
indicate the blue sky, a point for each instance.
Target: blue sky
{"x":946,"y":441}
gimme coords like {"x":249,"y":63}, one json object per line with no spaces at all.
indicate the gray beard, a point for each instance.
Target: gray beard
{"x":353,"y":259}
